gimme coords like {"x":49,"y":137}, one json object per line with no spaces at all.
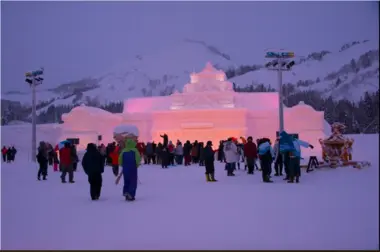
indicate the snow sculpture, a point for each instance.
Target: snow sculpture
{"x":337,"y":149}
{"x":207,"y":89}
{"x":210,"y":79}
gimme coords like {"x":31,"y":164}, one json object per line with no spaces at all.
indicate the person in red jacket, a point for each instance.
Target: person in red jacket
{"x":4,"y":152}
{"x":115,"y":160}
{"x":66,"y":163}
{"x":171,"y":148}
{"x":250,"y":153}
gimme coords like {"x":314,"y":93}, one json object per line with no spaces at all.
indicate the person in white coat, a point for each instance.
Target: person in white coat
{"x":231,"y":155}
{"x":178,"y":153}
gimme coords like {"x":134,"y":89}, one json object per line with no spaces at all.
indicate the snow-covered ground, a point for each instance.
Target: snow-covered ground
{"x":177,"y":209}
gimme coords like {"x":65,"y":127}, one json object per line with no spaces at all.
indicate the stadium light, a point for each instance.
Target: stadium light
{"x":280,"y":63}
{"x":34,"y":79}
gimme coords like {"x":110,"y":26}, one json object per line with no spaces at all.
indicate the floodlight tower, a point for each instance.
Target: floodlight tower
{"x":281,"y":62}
{"x":34,"y":79}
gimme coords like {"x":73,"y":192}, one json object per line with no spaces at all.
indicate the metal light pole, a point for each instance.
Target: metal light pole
{"x":280,"y":64}
{"x":33,"y":79}
{"x":34,"y":121}
{"x":280,"y":99}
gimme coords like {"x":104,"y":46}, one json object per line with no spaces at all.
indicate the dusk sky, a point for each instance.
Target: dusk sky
{"x":73,"y":40}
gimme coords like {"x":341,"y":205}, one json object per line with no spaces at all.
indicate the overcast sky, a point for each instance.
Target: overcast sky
{"x":74,"y":40}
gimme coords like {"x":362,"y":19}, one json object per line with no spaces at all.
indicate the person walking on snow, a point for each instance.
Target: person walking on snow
{"x":67,"y":158}
{"x":42,"y":159}
{"x":93,"y":166}
{"x":114,"y":155}
{"x":129,"y":160}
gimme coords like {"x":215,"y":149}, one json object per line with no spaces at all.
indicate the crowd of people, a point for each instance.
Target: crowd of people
{"x":9,"y":154}
{"x":63,"y":159}
{"x":129,"y":154}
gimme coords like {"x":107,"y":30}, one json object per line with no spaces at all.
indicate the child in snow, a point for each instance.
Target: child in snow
{"x":129,"y":160}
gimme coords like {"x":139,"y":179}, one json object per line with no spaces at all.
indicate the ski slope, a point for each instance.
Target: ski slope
{"x":176,"y":209}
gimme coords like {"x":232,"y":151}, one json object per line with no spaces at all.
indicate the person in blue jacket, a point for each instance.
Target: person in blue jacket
{"x":291,"y":147}
{"x":129,"y":160}
{"x":266,"y":155}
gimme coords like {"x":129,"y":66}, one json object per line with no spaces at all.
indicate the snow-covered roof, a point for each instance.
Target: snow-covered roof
{"x":88,"y":111}
{"x":91,"y":110}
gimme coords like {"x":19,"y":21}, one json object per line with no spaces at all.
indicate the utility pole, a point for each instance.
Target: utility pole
{"x":33,"y":79}
{"x":280,"y":64}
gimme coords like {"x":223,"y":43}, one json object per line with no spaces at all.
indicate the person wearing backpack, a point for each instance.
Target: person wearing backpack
{"x":266,"y":157}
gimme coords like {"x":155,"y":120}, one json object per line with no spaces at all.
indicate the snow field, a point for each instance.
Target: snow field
{"x":176,"y":209}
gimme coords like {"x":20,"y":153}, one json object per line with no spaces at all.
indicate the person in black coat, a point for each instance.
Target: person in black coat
{"x":14,"y":151}
{"x":93,"y":166}
{"x":158,"y":153}
{"x":208,"y":155}
{"x":165,"y":157}
{"x":201,"y":154}
{"x":187,"y":152}
{"x":166,"y":140}
{"x":221,"y":152}
{"x":9,"y":155}
{"x":154,"y":158}
{"x":42,"y":159}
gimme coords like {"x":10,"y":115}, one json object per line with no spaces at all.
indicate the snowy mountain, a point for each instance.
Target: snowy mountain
{"x":346,"y":72}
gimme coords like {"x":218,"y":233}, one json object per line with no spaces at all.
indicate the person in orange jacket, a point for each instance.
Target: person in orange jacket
{"x":115,"y":160}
